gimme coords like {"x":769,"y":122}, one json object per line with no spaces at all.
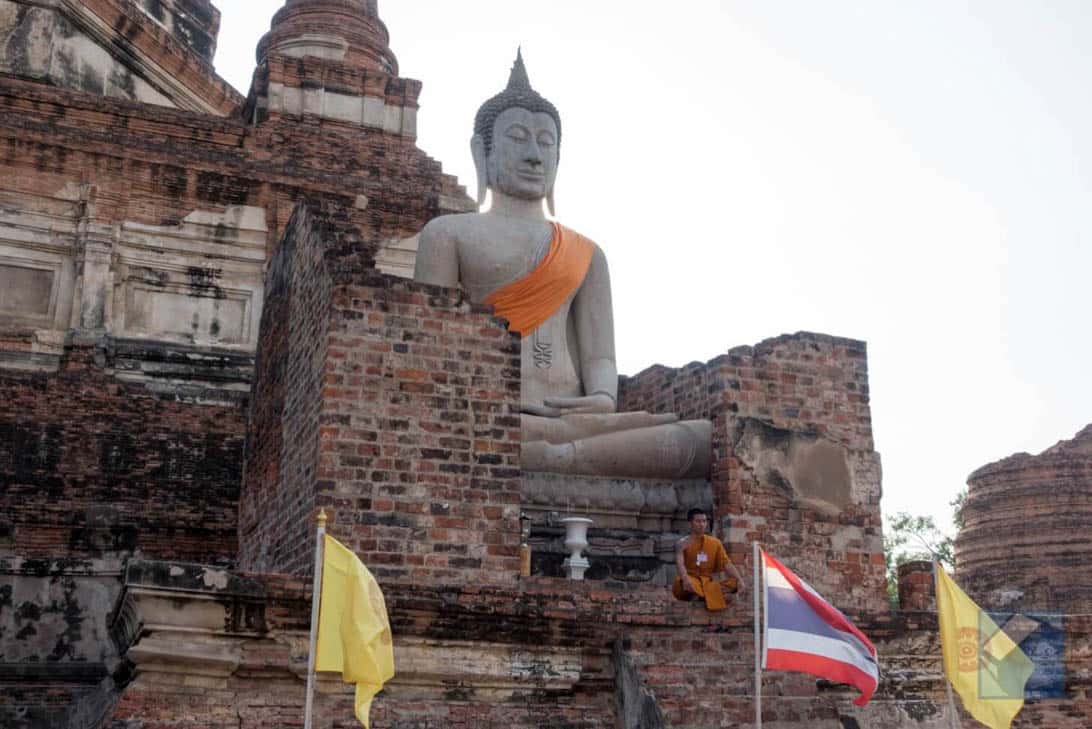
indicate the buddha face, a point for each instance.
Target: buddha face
{"x":523,"y":160}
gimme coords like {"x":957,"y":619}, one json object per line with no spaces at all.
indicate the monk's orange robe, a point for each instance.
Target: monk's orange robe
{"x":531,"y":300}
{"x":703,"y":560}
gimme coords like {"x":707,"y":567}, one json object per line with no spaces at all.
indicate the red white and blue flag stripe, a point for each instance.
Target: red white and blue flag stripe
{"x":803,"y":632}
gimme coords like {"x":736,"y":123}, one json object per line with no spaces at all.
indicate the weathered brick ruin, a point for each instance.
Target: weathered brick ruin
{"x":1025,"y":541}
{"x":794,"y":462}
{"x":395,"y":415}
{"x":203,"y":341}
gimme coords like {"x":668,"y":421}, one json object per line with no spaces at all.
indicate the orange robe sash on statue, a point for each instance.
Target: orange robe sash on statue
{"x":531,"y":300}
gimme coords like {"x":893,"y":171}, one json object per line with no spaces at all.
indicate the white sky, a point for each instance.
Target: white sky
{"x":914,"y":174}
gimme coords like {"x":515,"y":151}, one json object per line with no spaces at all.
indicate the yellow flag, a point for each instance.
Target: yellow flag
{"x":354,"y":635}
{"x":987,"y":669}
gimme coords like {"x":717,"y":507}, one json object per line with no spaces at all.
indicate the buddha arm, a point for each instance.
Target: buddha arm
{"x":437,"y":258}
{"x":594,"y":320}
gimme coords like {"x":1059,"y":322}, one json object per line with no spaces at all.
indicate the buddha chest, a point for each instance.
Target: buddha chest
{"x":500,"y":252}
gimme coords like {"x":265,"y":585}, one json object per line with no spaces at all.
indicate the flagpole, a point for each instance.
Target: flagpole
{"x":952,"y":711}
{"x":756,"y":587}
{"x":316,"y":598}
{"x":951,"y":704}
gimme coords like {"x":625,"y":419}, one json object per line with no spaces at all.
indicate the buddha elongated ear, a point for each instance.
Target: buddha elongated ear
{"x":550,"y":202}
{"x":481,"y":165}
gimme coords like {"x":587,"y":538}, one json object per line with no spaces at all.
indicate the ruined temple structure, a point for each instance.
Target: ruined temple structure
{"x":1025,"y":542}
{"x":207,"y":333}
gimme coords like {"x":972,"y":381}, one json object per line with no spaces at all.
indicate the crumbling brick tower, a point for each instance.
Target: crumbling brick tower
{"x":1024,"y":543}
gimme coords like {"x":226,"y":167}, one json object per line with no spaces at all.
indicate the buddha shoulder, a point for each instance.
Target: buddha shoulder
{"x":438,"y":248}
{"x":450,"y":227}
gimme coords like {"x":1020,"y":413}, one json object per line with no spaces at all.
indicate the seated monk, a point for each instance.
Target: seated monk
{"x":553,"y":287}
{"x":699,"y":559}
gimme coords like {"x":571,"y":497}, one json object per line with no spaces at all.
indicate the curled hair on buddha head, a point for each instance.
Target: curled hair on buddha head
{"x":694,"y":512}
{"x":517,"y":93}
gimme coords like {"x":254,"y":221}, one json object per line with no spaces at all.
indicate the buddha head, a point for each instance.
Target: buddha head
{"x":517,"y":136}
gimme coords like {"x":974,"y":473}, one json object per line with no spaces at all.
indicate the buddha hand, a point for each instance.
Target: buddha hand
{"x":554,"y":407}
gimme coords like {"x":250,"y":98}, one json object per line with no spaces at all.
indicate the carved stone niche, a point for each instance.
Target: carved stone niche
{"x":636,"y":522}
{"x":199,"y":282}
{"x":37,"y":259}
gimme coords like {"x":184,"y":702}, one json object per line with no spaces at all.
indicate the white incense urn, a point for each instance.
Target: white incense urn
{"x":576,"y":541}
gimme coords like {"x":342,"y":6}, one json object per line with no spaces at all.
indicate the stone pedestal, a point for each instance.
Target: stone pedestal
{"x":636,"y":523}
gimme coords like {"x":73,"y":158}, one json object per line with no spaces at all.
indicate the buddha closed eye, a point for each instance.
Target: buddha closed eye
{"x":518,"y":133}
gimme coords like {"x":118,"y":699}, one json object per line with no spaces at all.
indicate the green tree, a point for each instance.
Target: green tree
{"x":909,"y":538}
{"x":957,"y":507}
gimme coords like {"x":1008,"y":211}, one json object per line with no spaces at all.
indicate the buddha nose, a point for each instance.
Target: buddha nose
{"x":534,"y":153}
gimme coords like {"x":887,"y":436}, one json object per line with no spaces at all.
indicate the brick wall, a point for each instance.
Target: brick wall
{"x":916,"y":585}
{"x":785,"y":409}
{"x":282,"y":454}
{"x":91,"y":466}
{"x":155,"y":165}
{"x":545,"y":653}
{"x":420,"y":445}
{"x":397,"y":418}
{"x":137,"y":165}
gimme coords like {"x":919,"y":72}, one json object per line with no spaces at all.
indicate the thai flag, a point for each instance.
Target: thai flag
{"x":806,"y":633}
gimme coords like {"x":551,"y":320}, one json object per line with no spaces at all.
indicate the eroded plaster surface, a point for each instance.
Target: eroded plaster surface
{"x":199,"y":282}
{"x":42,"y":43}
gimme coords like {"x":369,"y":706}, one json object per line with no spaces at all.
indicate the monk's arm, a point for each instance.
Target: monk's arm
{"x":729,"y":568}
{"x":738,"y":575}
{"x":594,"y":320}
{"x":437,"y":256}
{"x":680,"y":564}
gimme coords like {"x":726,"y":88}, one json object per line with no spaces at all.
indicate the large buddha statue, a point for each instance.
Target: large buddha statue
{"x":553,"y":287}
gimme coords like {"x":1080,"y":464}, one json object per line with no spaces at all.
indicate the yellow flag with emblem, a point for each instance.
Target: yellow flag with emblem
{"x":986,"y":667}
{"x":354,"y":635}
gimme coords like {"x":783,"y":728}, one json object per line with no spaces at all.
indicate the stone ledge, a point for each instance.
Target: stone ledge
{"x":636,"y":523}
{"x":64,"y":672}
{"x":30,"y":362}
{"x":646,"y":505}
